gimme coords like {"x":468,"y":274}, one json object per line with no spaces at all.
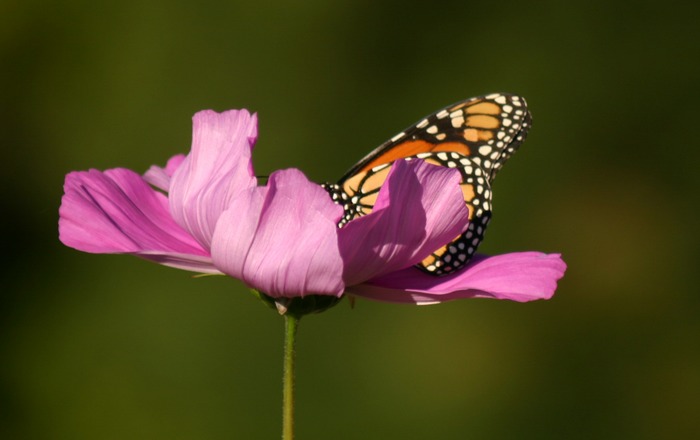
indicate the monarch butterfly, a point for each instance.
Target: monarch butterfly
{"x":476,"y":136}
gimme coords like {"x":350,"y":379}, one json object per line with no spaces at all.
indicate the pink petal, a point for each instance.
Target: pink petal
{"x":520,"y":276}
{"x":118,"y":212}
{"x":192,"y":263}
{"x":282,"y":239}
{"x":160,"y":177}
{"x":216,"y":170}
{"x":419,"y":209}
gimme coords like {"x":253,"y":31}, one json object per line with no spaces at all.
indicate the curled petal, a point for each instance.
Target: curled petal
{"x":419,"y":208}
{"x":520,"y":276}
{"x":282,"y":239}
{"x":160,"y":177}
{"x":116,"y":211}
{"x":216,"y":170}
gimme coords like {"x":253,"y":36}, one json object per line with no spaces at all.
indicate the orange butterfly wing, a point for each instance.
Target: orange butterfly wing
{"x":475,"y":136}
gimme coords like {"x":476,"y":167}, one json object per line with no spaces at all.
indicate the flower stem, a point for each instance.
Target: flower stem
{"x":291,"y":323}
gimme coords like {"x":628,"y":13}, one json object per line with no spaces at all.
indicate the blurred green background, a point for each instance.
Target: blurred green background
{"x":112,"y":347}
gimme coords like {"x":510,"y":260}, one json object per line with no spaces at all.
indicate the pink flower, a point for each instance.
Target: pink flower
{"x":206,"y":213}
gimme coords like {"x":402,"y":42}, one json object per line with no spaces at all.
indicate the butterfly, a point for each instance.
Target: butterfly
{"x":475,"y":136}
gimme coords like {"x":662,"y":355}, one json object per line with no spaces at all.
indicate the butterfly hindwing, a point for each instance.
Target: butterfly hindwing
{"x":475,"y":136}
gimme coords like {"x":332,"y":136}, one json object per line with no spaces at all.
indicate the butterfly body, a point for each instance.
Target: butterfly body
{"x":475,"y":136}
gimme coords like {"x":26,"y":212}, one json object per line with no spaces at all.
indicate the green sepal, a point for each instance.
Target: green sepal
{"x":298,"y":306}
{"x":268,"y":301}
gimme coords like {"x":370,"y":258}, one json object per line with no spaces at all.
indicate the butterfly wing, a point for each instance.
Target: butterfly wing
{"x":475,"y":136}
{"x":488,"y":129}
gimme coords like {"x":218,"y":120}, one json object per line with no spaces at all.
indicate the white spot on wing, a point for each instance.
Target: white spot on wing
{"x":484,"y":150}
{"x":397,"y":137}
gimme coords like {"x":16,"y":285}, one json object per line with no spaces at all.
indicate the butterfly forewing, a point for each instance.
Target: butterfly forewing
{"x":489,"y":129}
{"x":475,"y":136}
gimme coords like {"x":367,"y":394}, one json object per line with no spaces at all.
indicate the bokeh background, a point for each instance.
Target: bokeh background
{"x":112,"y":347}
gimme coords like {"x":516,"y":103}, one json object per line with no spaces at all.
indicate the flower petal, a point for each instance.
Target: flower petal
{"x":419,"y":209}
{"x":520,"y":276}
{"x":116,"y":211}
{"x":216,"y":170}
{"x":160,"y":177}
{"x":192,"y":263}
{"x":282,"y":239}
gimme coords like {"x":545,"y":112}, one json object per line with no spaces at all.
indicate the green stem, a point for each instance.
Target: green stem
{"x":291,"y":323}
